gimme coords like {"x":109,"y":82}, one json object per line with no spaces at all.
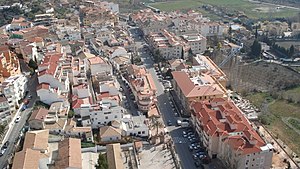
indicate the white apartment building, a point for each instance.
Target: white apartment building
{"x":98,"y":65}
{"x":169,"y":45}
{"x":5,"y":112}
{"x":135,"y":125}
{"x":53,"y":78}
{"x":14,"y":89}
{"x":228,"y":135}
{"x":197,"y":42}
{"x":49,"y":95}
{"x":101,"y":114}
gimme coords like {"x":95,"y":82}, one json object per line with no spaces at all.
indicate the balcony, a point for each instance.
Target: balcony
{"x":145,"y":102}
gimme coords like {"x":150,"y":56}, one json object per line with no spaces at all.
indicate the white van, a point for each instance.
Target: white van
{"x":179,"y":122}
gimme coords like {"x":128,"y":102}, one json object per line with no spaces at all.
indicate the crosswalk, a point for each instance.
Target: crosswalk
{"x":180,"y":140}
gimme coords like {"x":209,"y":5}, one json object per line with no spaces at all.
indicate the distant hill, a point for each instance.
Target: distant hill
{"x":294,"y":3}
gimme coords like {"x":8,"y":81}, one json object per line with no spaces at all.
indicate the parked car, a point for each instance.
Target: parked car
{"x":2,"y":151}
{"x":5,"y":145}
{"x":24,"y":107}
{"x":197,"y":164}
{"x":18,"y":119}
{"x":26,"y":101}
{"x":169,"y":123}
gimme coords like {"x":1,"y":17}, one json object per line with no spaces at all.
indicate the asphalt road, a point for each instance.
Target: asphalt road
{"x":15,"y":129}
{"x":166,"y":109}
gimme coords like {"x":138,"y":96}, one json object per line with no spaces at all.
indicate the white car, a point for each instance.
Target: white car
{"x":18,"y":119}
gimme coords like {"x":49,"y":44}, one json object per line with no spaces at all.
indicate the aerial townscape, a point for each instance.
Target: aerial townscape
{"x":150,"y":84}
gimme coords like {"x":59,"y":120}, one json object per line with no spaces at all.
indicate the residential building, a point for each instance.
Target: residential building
{"x":37,"y":119}
{"x":97,"y":17}
{"x":37,"y":140}
{"x":109,"y":134}
{"x":14,"y":89}
{"x":104,"y":34}
{"x":135,"y":125}
{"x":197,"y":42}
{"x":121,"y":62}
{"x":275,"y":28}
{"x":196,"y":87}
{"x":83,"y":133}
{"x":114,"y":156}
{"x":5,"y":112}
{"x":204,"y":64}
{"x":18,"y":24}
{"x":36,"y":31}
{"x":24,"y":159}
{"x":9,"y":63}
{"x":97,"y":45}
{"x":228,"y":135}
{"x":69,"y":154}
{"x":114,"y":8}
{"x":167,"y":45}
{"x":99,"y":65}
{"x":142,"y":86}
{"x":68,"y":33}
{"x":151,"y":22}
{"x":53,"y":78}
{"x":46,"y":19}
{"x":101,"y":114}
{"x":34,"y":153}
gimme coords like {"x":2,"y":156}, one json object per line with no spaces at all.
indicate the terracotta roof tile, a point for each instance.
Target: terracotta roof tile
{"x":69,"y":154}
{"x":39,"y":114}
{"x":37,"y":140}
{"x":226,"y":118}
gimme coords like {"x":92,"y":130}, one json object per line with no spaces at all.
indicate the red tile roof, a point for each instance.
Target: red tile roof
{"x":189,"y":89}
{"x":221,"y":118}
{"x":39,"y":114}
{"x":51,"y":60}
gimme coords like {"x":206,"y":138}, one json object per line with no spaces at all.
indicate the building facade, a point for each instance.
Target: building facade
{"x":228,"y":135}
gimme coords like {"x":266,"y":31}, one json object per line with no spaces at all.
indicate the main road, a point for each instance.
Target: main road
{"x":15,"y":129}
{"x":166,"y":109}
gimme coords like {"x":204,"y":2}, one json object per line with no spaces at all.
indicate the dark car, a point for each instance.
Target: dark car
{"x":5,"y":145}
{"x":169,"y":123}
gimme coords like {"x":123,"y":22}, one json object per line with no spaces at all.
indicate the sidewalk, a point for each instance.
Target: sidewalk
{"x":10,"y":125}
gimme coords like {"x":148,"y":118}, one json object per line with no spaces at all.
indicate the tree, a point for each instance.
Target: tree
{"x":256,"y":32}
{"x":230,"y":31}
{"x":156,"y":124}
{"x":71,"y":113}
{"x":102,"y":162}
{"x":256,"y":49}
{"x":2,"y":130}
{"x":32,"y":64}
{"x":292,"y":51}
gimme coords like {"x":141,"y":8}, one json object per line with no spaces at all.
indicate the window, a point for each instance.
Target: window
{"x":116,"y":116}
{"x":106,"y":117}
{"x":143,"y":132}
{"x":139,"y":132}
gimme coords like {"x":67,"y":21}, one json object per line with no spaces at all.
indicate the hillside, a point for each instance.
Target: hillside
{"x":294,"y":3}
{"x":262,"y":76}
